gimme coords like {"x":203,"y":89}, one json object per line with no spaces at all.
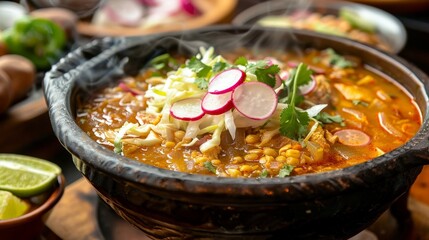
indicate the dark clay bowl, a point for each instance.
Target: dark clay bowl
{"x":175,"y":205}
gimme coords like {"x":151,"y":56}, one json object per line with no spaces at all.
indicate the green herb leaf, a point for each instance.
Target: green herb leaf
{"x":264,"y":173}
{"x":198,"y":67}
{"x":324,"y":117}
{"x":202,"y":83}
{"x":286,"y":170}
{"x":210,"y":166}
{"x":293,"y":121}
{"x":267,"y":75}
{"x":359,"y":102}
{"x":164,"y":62}
{"x":337,"y":60}
{"x":219,"y":66}
{"x":252,"y":67}
{"x":241,"y":61}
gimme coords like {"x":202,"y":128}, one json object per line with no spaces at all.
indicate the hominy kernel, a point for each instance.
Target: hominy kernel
{"x":233,"y":172}
{"x":292,"y":161}
{"x":216,"y":162}
{"x":201,"y":160}
{"x":251,"y":157}
{"x":281,"y":159}
{"x":293,"y":153}
{"x":252,"y":138}
{"x":256,"y":150}
{"x":269,"y":158}
{"x":270,"y":152}
{"x":237,"y":159}
{"x":170,"y":144}
{"x":179,"y":134}
{"x":262,"y":160}
{"x":246,"y":168}
{"x":195,"y":154}
{"x":284,"y":148}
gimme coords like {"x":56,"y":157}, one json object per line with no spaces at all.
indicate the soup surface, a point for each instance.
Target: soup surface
{"x":252,"y":114}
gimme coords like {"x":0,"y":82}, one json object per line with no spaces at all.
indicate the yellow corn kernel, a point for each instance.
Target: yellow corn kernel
{"x":292,"y":161}
{"x":281,"y":159}
{"x":170,"y":144}
{"x":284,"y":148}
{"x":251,"y":157}
{"x":179,"y":134}
{"x":216,"y":162}
{"x":201,"y":160}
{"x":293,"y":153}
{"x":237,"y":159}
{"x":256,"y":150}
{"x":233,"y":172}
{"x":270,"y":152}
{"x":252,"y":138}
{"x":246,"y":168}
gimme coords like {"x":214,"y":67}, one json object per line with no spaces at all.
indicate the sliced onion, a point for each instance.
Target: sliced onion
{"x":387,"y":126}
{"x":255,"y":100}
{"x":124,"y":12}
{"x":187,"y":109}
{"x":352,"y":137}
{"x":226,"y":81}
{"x":216,"y":104}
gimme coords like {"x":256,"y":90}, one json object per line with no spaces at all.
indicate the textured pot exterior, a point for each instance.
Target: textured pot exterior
{"x":163,"y":203}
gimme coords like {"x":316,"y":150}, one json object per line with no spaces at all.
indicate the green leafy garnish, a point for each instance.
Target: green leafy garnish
{"x":337,"y":60}
{"x":241,"y":61}
{"x":210,"y":166}
{"x":264,"y":173}
{"x":286,"y":170}
{"x":293,"y":121}
{"x":202,"y":83}
{"x":198,"y":67}
{"x":359,"y":102}
{"x":267,"y":75}
{"x":164,"y":63}
{"x":324,"y":117}
{"x":219,"y":66}
{"x":264,"y":73}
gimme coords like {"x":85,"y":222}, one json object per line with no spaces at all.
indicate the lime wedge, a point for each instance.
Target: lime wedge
{"x":26,"y":176}
{"x":11,"y":206}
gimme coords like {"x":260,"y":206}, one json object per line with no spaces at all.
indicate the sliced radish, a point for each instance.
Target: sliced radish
{"x":216,"y":104}
{"x":284,"y":75}
{"x":226,"y":81}
{"x":352,"y":137}
{"x":189,"y":7}
{"x":187,"y":109}
{"x":309,"y":87}
{"x":255,"y":100}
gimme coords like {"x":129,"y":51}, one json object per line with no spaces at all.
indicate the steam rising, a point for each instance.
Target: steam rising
{"x":128,"y":56}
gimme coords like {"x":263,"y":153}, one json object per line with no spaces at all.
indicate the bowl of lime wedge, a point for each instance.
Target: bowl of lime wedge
{"x":29,"y":188}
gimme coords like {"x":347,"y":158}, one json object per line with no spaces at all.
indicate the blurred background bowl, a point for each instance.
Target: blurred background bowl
{"x":30,"y":225}
{"x":388,"y":27}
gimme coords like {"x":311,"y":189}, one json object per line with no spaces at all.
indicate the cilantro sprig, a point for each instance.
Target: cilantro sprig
{"x":264,"y":72}
{"x":293,"y":121}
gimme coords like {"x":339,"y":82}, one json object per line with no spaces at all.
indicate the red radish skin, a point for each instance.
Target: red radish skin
{"x":308,"y":88}
{"x":189,"y":7}
{"x":352,"y":137}
{"x":187,"y":109}
{"x":255,"y":100}
{"x":226,"y":81}
{"x":216,"y":104}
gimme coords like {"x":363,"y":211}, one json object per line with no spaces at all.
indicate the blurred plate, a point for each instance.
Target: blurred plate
{"x":212,"y":11}
{"x":388,"y":27}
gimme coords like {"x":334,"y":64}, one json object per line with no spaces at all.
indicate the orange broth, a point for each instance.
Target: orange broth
{"x":366,"y":100}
